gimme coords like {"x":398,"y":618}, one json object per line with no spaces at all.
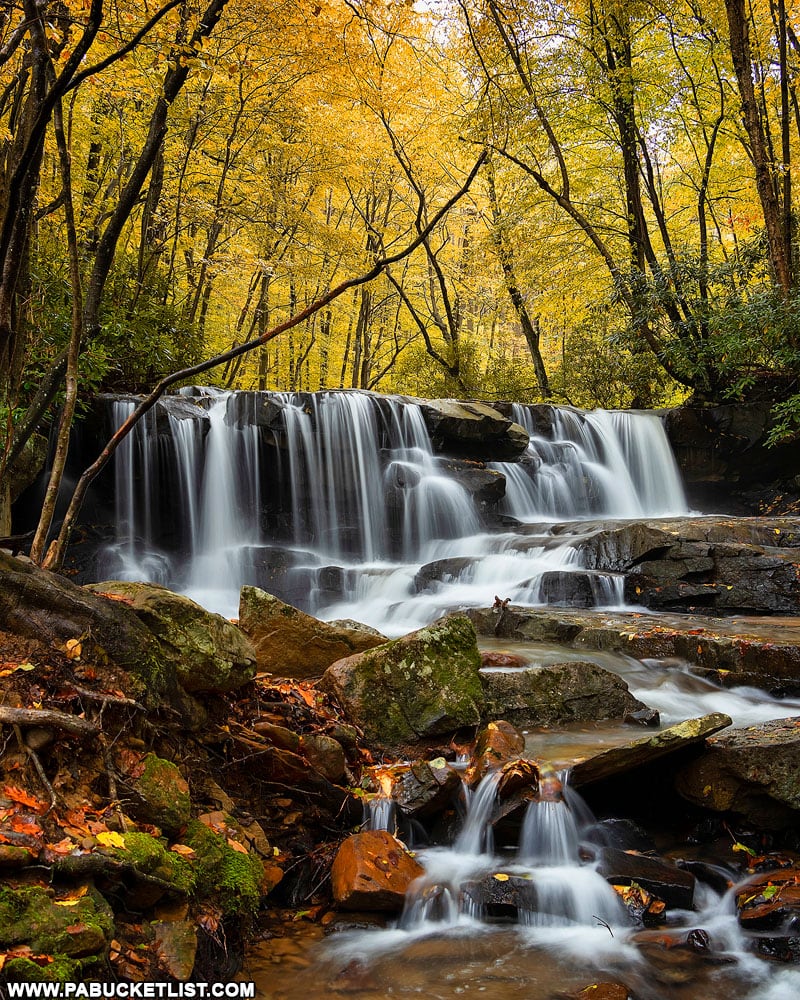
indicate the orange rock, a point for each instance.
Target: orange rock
{"x":502,"y":658}
{"x":496,"y":744}
{"x":372,"y":871}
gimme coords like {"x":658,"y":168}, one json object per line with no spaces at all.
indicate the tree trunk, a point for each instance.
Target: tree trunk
{"x":765,"y":183}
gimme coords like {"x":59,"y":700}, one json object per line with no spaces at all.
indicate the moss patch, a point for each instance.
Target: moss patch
{"x":165,"y":794}
{"x":232,"y":878}
{"x":32,"y":916}
{"x":150,"y":856}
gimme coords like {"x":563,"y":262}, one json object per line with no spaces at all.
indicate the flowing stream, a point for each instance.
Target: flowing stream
{"x":338,"y":503}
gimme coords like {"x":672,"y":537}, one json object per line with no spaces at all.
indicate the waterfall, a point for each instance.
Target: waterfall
{"x":339,"y":503}
{"x":593,"y":464}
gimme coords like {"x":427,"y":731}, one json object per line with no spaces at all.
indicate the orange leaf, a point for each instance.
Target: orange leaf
{"x":19,"y":795}
{"x":236,"y":846}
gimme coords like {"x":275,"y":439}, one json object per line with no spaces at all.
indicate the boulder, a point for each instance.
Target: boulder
{"x":40,"y":605}
{"x":751,"y":772}
{"x":208,"y":652}
{"x":501,"y":896}
{"x":728,"y":445}
{"x":290,"y":643}
{"x":618,"y":760}
{"x":472,"y":430}
{"x":372,"y":871}
{"x":574,"y":691}
{"x":175,"y":946}
{"x":485,"y":486}
{"x":423,"y":684}
{"x":324,"y":754}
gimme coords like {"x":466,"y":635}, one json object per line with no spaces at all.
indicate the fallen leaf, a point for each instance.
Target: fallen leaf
{"x":110,"y":839}
{"x":19,"y":795}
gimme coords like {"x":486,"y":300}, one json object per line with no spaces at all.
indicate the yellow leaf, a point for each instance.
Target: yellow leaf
{"x":501,"y":877}
{"x":110,"y":839}
{"x":67,"y":902}
{"x":73,"y":649}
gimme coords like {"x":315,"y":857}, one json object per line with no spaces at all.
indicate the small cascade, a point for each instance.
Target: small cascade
{"x":549,"y":884}
{"x":593,"y":464}
{"x":338,"y":503}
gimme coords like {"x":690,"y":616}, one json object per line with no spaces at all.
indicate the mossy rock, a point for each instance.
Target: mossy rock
{"x":75,"y":927}
{"x":209,"y":654}
{"x":163,"y":794}
{"x":61,"y":970}
{"x":150,"y":856}
{"x":231,"y":878}
{"x":423,"y":684}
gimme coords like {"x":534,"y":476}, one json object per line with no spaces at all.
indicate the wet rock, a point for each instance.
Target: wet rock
{"x":574,"y":691}
{"x":618,"y":760}
{"x":175,"y":945}
{"x":324,"y":754}
{"x":485,"y":486}
{"x":208,"y":652}
{"x":666,"y":881}
{"x":764,"y":650}
{"x":751,"y":772}
{"x":770,"y":900}
{"x":160,"y":793}
{"x":643,"y":717}
{"x":604,"y":991}
{"x":372,"y":871}
{"x":473,"y":430}
{"x":502,"y":658}
{"x":623,"y":834}
{"x":501,"y":896}
{"x":424,"y":787}
{"x":290,"y":643}
{"x":443,"y":571}
{"x":497,"y":743}
{"x":423,"y":684}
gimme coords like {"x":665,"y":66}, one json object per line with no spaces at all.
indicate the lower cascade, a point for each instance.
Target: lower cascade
{"x":348,"y":504}
{"x":550,"y":888}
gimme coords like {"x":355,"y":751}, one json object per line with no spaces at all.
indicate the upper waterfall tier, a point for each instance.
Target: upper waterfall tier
{"x":337,"y":499}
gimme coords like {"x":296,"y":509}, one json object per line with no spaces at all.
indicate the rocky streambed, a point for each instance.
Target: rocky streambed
{"x":176,"y":786}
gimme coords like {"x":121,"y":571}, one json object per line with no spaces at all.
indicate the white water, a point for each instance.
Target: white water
{"x":378,"y":529}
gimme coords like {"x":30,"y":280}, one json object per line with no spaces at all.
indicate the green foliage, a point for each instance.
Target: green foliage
{"x":603,"y":365}
{"x":144,"y":336}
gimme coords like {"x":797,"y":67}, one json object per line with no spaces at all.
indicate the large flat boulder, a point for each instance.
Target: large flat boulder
{"x":574,"y":691}
{"x":208,"y":652}
{"x":757,"y":651}
{"x":751,"y":772}
{"x":638,"y":753}
{"x":424,"y":684}
{"x":290,"y":643}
